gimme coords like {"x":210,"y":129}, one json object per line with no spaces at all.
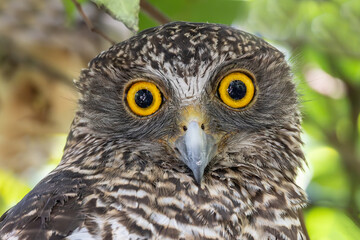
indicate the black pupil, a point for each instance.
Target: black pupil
{"x":237,"y":89}
{"x":143,"y":98}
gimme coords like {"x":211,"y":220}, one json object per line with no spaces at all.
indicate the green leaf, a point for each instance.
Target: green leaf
{"x":127,"y":11}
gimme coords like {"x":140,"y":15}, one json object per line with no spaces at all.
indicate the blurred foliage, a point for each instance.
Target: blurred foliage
{"x":70,"y":9}
{"x":322,"y":42}
{"x":330,"y":223}
{"x":324,"y":37}
{"x":12,"y":190}
{"x":216,"y":11}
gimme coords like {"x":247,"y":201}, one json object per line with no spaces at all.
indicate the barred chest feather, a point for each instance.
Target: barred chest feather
{"x":146,"y":203}
{"x":174,"y":207}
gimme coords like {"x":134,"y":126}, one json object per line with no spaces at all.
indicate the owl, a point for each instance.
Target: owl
{"x":184,"y":131}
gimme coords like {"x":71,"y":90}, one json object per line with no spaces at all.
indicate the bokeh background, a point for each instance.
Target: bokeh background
{"x":45,"y":44}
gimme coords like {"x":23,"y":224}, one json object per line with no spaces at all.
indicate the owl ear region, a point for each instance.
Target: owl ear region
{"x":143,"y":98}
{"x":236,"y":90}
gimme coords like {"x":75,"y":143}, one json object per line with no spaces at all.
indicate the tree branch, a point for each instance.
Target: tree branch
{"x":154,"y":12}
{"x":89,"y":23}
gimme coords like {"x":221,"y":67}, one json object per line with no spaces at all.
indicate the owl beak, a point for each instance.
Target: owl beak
{"x":196,"y":148}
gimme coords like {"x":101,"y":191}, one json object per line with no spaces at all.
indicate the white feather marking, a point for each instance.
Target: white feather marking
{"x":80,"y":233}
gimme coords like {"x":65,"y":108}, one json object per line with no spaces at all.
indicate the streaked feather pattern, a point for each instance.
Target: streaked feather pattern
{"x":121,"y":179}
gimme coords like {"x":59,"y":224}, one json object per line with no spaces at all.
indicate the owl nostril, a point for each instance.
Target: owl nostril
{"x":177,"y":150}
{"x":185,"y":127}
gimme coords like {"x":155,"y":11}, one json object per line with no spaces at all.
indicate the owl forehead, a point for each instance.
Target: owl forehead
{"x":184,"y":54}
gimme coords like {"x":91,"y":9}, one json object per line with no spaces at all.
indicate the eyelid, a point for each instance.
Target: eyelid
{"x":160,"y":82}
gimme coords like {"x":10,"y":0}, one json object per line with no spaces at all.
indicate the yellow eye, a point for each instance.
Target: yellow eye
{"x":144,"y":98}
{"x":236,"y":90}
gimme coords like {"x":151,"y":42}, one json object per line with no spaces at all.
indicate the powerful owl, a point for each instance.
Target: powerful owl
{"x":184,"y":131}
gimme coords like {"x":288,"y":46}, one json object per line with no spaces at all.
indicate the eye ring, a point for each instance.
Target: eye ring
{"x":236,"y":90}
{"x":144,"y":98}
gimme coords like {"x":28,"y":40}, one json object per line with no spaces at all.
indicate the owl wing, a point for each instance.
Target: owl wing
{"x":51,"y":210}
{"x":282,"y":224}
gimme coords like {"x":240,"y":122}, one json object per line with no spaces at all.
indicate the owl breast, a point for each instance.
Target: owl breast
{"x":170,"y":208}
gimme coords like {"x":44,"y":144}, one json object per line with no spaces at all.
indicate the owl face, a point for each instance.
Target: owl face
{"x":202,"y":93}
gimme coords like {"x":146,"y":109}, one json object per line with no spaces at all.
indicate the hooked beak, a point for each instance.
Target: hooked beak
{"x":196,"y":149}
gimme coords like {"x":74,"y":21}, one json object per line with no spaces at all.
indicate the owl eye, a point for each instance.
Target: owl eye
{"x":143,"y":98}
{"x":236,"y":90}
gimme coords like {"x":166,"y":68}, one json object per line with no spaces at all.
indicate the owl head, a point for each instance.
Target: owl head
{"x":201,"y":99}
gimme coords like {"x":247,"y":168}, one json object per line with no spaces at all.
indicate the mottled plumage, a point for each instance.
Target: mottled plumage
{"x":123,"y":176}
